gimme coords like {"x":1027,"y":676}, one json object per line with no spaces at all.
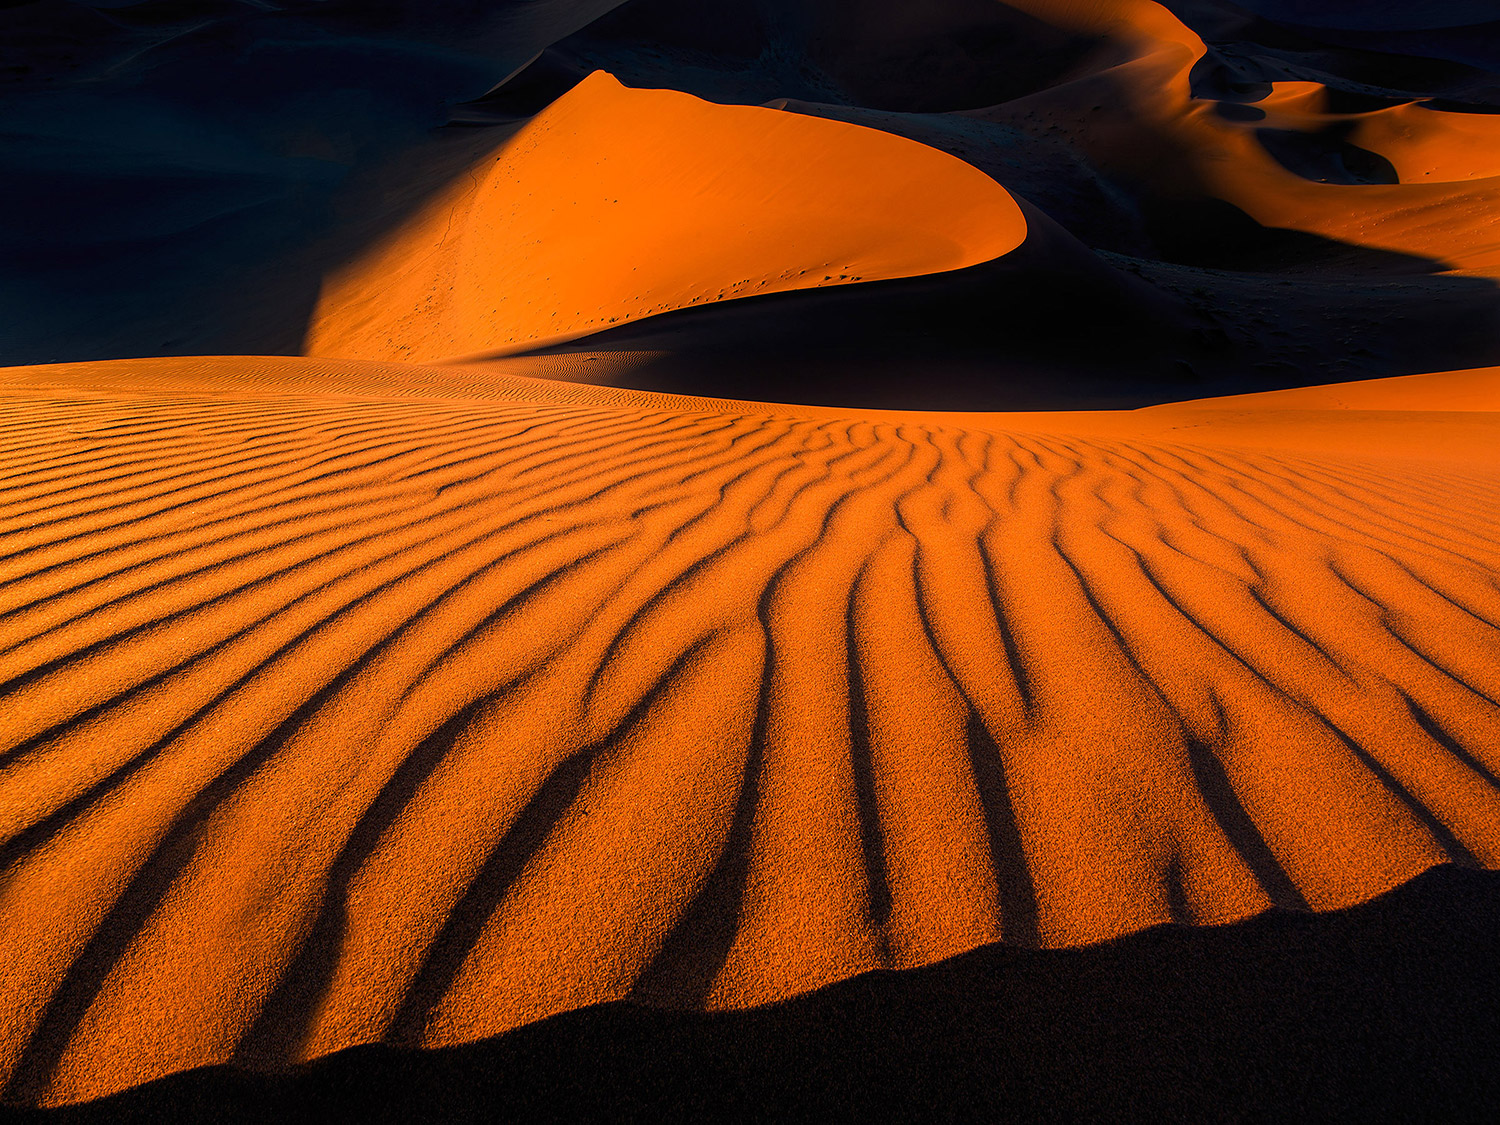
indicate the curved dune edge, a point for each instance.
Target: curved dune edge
{"x":1475,"y":390}
{"x":1141,"y":118}
{"x":614,"y":204}
{"x":333,"y":716}
{"x":1078,"y":1034}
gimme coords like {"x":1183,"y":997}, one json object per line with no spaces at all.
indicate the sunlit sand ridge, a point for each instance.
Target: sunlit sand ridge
{"x":334,"y":717}
{"x":614,"y":204}
{"x":1143,"y":116}
{"x":439,"y":680}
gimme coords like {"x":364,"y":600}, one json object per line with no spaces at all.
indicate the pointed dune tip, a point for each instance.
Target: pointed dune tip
{"x":616,"y":203}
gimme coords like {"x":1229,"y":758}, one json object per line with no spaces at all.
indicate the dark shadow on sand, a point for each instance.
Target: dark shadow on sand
{"x":1386,"y":1011}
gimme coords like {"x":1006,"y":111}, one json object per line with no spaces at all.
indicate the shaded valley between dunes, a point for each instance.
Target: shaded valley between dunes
{"x":335,"y":716}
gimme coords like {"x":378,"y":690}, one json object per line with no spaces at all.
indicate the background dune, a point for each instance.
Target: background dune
{"x":1310,"y":207}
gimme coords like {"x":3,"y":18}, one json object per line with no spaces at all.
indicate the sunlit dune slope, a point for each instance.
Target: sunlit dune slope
{"x":614,"y":204}
{"x":1422,"y":143}
{"x":332,"y":715}
{"x":1143,"y":119}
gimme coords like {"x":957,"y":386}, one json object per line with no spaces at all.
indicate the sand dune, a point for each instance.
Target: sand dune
{"x":614,"y":204}
{"x":1144,"y":118}
{"x":507,"y":654}
{"x":334,"y":717}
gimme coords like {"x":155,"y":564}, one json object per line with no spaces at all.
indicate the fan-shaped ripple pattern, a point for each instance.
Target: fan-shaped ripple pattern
{"x":329,"y":720}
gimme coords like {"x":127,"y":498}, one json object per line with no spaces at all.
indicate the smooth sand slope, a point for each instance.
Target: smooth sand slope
{"x":614,"y":204}
{"x":336,"y":714}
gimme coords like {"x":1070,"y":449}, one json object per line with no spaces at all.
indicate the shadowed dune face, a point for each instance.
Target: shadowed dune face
{"x":615,"y":204}
{"x":1192,"y":1025}
{"x":1373,"y":15}
{"x":938,"y":56}
{"x":332,"y":717}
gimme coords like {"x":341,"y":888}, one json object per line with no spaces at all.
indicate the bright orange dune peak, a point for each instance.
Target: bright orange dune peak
{"x":615,"y":203}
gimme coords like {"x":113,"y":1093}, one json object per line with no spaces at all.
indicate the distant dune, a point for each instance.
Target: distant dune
{"x":657,"y":510}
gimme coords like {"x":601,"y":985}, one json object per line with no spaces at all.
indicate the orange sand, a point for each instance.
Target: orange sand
{"x":1139,"y":117}
{"x":614,"y":204}
{"x":348,"y":701}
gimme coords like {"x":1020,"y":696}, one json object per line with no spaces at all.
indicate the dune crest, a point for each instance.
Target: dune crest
{"x":1143,"y":117}
{"x":334,"y":717}
{"x":429,"y":631}
{"x":614,"y":204}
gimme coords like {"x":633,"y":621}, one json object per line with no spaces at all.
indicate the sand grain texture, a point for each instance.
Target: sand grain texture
{"x":336,"y":716}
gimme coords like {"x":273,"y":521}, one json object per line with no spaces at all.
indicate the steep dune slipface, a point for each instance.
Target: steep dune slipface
{"x":332,"y":716}
{"x":614,"y":204}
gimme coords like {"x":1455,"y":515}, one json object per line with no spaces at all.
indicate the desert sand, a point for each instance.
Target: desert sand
{"x":338,"y":716}
{"x":467,"y":643}
{"x":613,"y":204}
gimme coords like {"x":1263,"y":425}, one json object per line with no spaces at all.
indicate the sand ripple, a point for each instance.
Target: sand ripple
{"x":331,"y":718}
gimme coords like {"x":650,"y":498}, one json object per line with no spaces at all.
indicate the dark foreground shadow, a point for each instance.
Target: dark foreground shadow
{"x":1387,"y":1011}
